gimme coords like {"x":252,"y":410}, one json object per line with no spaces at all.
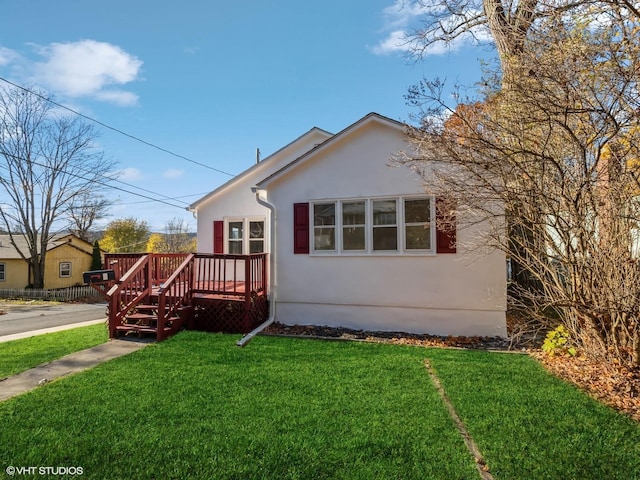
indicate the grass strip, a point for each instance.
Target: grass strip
{"x":20,"y":355}
{"x":529,"y":424}
{"x":196,"y":406}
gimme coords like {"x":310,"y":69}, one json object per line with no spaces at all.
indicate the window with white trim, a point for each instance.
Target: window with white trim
{"x":385,"y":225}
{"x":417,"y":223}
{"x":354,"y":224}
{"x":65,"y":269}
{"x":244,"y":235}
{"x":395,"y":225}
{"x":324,"y":226}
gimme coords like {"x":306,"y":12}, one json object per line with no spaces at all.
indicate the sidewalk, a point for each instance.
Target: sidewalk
{"x":72,"y":363}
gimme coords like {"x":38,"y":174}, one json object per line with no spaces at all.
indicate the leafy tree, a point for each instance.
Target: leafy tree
{"x":126,"y":235}
{"x":48,"y":162}
{"x":156,"y":243}
{"x":554,"y":157}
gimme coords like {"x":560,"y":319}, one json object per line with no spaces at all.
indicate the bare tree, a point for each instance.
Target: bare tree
{"x":47,"y":162}
{"x":177,"y":236}
{"x":85,"y":210}
{"x":556,"y":158}
{"x":176,"y":239}
{"x":507,"y":23}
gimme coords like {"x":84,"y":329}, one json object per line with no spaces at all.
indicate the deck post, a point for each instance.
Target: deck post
{"x":113,"y":315}
{"x":246,"y":315}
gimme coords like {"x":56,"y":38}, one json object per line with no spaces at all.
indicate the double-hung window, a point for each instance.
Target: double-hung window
{"x":245,"y":235}
{"x":385,"y":225}
{"x":65,"y":269}
{"x":417,"y":223}
{"x":3,"y":272}
{"x":354,"y":225}
{"x":399,"y":225}
{"x":324,"y":226}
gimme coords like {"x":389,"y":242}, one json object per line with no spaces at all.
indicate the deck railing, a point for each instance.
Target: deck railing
{"x":231,"y":275}
{"x":177,"y":278}
{"x":162,"y":264}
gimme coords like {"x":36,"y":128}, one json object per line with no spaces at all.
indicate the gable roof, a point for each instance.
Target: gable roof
{"x":9,"y":252}
{"x":260,"y":165}
{"x":350,"y":130}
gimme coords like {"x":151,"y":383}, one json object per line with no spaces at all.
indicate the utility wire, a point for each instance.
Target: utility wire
{"x":100,"y":183}
{"x":115,"y":129}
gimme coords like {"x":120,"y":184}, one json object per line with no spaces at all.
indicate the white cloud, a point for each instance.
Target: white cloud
{"x":129,"y":173}
{"x":396,"y":41}
{"x":87,"y":68}
{"x":403,"y":17}
{"x":173,"y":173}
{"x":7,"y":56}
{"x":119,"y":97}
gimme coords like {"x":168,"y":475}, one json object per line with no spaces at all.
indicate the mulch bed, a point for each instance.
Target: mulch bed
{"x":401,"y":338}
{"x":613,"y":385}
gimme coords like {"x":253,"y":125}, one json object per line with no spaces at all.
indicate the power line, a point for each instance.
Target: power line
{"x":167,"y":198}
{"x":115,"y":129}
{"x":104,"y":184}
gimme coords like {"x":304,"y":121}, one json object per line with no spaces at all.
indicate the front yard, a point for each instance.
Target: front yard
{"x":197,"y":406}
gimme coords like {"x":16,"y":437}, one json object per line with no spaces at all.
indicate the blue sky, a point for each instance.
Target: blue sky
{"x":213,"y":81}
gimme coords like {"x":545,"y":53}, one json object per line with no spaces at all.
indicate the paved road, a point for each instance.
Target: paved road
{"x":25,"y":318}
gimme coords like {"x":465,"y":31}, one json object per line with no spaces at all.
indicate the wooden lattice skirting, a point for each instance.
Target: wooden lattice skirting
{"x":228,"y":315}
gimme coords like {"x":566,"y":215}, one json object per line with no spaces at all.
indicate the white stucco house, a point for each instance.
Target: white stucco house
{"x":353,"y":241}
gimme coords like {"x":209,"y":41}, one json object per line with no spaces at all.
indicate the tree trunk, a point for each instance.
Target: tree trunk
{"x":509,"y":31}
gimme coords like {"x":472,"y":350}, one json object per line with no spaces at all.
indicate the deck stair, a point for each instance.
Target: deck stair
{"x":144,"y":320}
{"x":160,"y":294}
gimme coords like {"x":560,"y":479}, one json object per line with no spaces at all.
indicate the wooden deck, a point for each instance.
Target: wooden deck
{"x":159,"y":294}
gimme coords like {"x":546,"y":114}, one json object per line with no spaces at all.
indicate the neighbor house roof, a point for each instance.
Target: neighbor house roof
{"x":9,"y":252}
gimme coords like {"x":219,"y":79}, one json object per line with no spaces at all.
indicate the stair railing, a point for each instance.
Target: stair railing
{"x":129,"y":291}
{"x":175,"y":294}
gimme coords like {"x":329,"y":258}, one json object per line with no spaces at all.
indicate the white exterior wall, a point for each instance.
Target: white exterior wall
{"x":442,"y":294}
{"x":235,"y":199}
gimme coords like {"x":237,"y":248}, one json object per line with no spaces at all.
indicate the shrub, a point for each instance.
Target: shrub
{"x":557,"y":342}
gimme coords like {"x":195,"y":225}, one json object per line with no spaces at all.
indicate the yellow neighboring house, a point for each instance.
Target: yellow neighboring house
{"x":67,"y":258}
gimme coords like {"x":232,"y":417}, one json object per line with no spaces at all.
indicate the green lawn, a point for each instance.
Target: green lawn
{"x":197,"y":406}
{"x":19,"y":355}
{"x":531,"y":425}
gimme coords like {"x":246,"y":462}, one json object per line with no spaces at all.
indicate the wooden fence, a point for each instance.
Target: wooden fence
{"x":62,"y":294}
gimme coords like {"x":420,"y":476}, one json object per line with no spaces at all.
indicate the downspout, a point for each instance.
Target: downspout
{"x":273,"y":285}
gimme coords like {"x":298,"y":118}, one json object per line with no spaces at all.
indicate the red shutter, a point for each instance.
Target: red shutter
{"x":300,"y":228}
{"x":218,"y":236}
{"x":445,"y":234}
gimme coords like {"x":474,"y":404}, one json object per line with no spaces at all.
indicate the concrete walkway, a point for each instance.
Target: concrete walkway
{"x":72,"y":363}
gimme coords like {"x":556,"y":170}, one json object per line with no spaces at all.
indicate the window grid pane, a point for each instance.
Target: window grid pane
{"x":256,"y":237}
{"x":324,"y":230}
{"x":235,"y":238}
{"x":417,"y":221}
{"x":65,"y":269}
{"x":385,"y":230}
{"x":354,"y":226}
